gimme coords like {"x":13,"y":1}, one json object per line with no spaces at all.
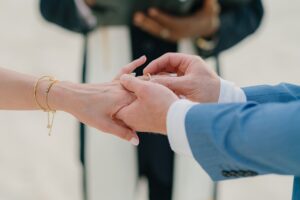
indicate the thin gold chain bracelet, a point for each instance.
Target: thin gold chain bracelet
{"x":50,"y":112}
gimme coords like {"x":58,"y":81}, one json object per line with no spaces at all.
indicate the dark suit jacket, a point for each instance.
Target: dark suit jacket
{"x":238,"y":20}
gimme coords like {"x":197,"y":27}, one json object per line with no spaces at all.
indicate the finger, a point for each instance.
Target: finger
{"x":176,"y":84}
{"x":132,"y":84}
{"x":128,"y":115}
{"x":162,"y":18}
{"x":122,"y":132}
{"x":147,"y":24}
{"x":131,"y":67}
{"x":170,"y":63}
{"x":211,"y":6}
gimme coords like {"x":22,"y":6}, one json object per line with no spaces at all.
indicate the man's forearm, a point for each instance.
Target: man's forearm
{"x":229,"y":93}
{"x":283,"y":92}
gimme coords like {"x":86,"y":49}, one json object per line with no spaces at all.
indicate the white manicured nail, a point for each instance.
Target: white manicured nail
{"x":134,"y":141}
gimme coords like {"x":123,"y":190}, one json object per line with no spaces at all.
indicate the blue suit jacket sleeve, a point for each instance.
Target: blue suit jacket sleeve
{"x":237,"y":140}
{"x":283,"y":92}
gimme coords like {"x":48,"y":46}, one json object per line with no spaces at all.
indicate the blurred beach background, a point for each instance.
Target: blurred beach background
{"x":34,"y":166}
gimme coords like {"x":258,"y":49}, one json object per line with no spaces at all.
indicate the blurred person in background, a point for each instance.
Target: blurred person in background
{"x":115,"y":31}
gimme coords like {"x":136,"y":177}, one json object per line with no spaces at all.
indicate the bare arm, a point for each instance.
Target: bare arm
{"x":16,"y":90}
{"x":92,"y":104}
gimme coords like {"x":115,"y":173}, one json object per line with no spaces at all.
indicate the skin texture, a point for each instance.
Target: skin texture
{"x":203,"y":23}
{"x":92,"y":104}
{"x":95,"y":105}
{"x":194,"y":79}
{"x":148,"y":113}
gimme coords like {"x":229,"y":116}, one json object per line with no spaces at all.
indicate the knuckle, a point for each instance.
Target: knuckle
{"x":169,"y":54}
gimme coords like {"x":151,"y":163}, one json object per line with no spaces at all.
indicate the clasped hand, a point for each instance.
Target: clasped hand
{"x":129,"y":104}
{"x":193,"y":80}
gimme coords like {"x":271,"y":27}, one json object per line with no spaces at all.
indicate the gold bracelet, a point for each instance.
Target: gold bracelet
{"x":149,"y":76}
{"x":50,"y":112}
{"x":49,"y":78}
{"x":47,"y":94}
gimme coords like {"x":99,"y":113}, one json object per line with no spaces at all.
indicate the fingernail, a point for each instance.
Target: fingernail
{"x":143,"y":57}
{"x":134,"y":141}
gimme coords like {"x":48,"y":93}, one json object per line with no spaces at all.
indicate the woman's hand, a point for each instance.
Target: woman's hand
{"x":95,"y":105}
{"x":202,"y":23}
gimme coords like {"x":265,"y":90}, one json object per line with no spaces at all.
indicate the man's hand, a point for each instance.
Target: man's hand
{"x":194,"y":80}
{"x":148,"y":113}
{"x":95,"y":105}
{"x":202,"y":23}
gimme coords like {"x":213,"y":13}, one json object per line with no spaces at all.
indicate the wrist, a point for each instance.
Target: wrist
{"x":177,"y":135}
{"x":165,"y":117}
{"x":60,"y":95}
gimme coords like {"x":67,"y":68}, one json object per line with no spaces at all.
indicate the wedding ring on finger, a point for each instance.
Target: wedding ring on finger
{"x":165,"y":33}
{"x":149,"y":76}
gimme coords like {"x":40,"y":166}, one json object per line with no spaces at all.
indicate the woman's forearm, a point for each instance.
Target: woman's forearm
{"x":92,"y":104}
{"x":16,"y":91}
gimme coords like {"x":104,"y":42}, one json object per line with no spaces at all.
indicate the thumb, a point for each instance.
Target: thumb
{"x":132,"y":83}
{"x":175,"y":84}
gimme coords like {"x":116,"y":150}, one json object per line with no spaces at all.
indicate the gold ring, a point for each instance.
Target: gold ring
{"x":149,"y":76}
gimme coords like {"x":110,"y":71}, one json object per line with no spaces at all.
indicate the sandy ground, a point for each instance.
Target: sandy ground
{"x":34,"y":166}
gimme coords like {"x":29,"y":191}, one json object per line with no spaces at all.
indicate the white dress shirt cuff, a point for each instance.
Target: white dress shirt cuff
{"x":176,"y":127}
{"x":230,"y":93}
{"x":86,"y":13}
